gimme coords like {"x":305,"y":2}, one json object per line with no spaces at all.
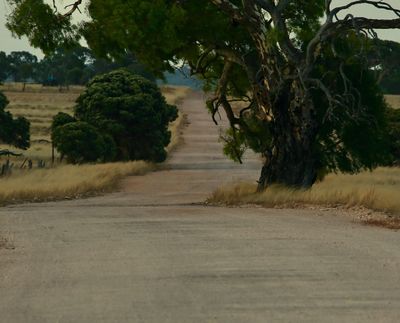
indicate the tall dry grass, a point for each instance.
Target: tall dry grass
{"x":67,"y":181}
{"x":378,"y":190}
{"x":393,"y":100}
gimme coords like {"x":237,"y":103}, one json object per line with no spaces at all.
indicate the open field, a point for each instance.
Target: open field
{"x":64,"y":181}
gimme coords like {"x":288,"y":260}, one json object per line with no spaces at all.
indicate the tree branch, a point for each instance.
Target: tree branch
{"x":378,"y":4}
{"x":232,"y":10}
{"x":349,"y":22}
{"x":74,"y":7}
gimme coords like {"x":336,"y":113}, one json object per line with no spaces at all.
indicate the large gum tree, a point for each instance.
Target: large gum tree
{"x":312,"y":103}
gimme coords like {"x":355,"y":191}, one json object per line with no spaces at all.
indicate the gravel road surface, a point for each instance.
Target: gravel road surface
{"x":153,"y":253}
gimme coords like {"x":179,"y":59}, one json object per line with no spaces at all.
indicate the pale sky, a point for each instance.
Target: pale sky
{"x":8,"y":43}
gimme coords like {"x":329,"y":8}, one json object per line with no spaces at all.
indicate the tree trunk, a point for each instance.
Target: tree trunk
{"x":291,"y":161}
{"x":290,"y":164}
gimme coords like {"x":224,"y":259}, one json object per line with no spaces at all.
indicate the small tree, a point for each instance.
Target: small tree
{"x":13,"y":132}
{"x":22,"y":66}
{"x":132,"y":110}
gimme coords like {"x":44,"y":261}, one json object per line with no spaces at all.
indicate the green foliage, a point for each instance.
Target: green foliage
{"x":43,"y":27}
{"x":254,"y":135}
{"x":81,"y":142}
{"x":132,"y":110}
{"x":118,"y":110}
{"x":393,"y":118}
{"x":22,"y":65}
{"x":304,"y":18}
{"x":14,"y":132}
{"x":61,"y":119}
{"x":354,"y":136}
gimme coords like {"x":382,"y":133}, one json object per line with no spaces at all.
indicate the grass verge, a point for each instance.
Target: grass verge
{"x":67,"y":181}
{"x":378,"y":191}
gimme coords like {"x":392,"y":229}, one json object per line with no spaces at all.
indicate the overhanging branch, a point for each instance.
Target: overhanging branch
{"x":73,"y":7}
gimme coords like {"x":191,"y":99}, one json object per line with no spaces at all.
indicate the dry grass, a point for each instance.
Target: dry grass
{"x":393,"y":100}
{"x":378,"y":190}
{"x":176,"y":129}
{"x":65,"y":181}
{"x":174,"y":94}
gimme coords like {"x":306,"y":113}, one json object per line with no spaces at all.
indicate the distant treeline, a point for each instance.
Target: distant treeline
{"x":64,"y":67}
{"x":78,"y":65}
{"x":75,"y":67}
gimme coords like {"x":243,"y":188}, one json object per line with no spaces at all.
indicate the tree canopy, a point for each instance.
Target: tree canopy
{"x":301,"y":66}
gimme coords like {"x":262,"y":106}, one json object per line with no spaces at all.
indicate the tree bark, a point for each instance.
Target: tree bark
{"x":291,"y":161}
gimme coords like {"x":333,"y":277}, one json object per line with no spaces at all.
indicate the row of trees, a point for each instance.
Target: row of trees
{"x":63,"y":67}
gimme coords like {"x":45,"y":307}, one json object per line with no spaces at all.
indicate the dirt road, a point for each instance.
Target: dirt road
{"x":151,"y":253}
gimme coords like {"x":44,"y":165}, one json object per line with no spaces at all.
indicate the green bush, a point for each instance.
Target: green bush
{"x":129,"y":114}
{"x":80,"y":142}
{"x":14,"y":132}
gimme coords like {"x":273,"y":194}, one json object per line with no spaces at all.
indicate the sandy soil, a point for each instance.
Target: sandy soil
{"x":153,"y":253}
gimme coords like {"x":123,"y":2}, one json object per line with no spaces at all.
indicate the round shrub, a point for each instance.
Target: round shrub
{"x":132,"y":110}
